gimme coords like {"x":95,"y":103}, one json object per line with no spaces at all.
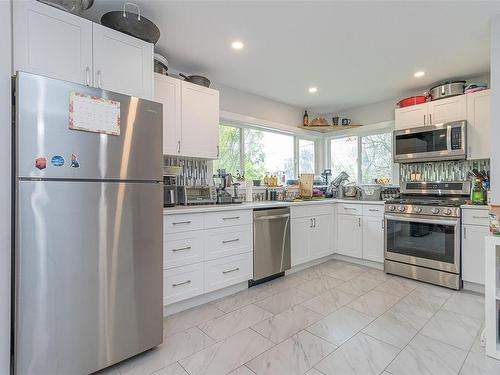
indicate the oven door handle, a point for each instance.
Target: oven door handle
{"x":427,"y":220}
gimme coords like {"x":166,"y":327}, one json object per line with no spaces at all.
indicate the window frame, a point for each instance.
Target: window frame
{"x":296,"y":139}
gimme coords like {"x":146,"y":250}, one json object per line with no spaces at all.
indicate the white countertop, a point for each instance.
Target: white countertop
{"x":475,"y":206}
{"x":251,"y":205}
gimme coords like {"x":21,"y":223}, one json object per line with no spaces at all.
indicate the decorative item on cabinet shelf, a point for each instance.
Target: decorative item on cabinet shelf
{"x":446,"y":89}
{"x":133,"y":24}
{"x":196,"y":79}
{"x":475,"y":87}
{"x":412,"y":100}
{"x":160,"y":64}
{"x":72,"y":6}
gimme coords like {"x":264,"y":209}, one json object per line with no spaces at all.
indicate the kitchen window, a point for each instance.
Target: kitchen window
{"x":255,"y":152}
{"x":364,"y":158}
{"x":306,"y":156}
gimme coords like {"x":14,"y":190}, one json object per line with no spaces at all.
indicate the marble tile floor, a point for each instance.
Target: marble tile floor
{"x":334,"y":318}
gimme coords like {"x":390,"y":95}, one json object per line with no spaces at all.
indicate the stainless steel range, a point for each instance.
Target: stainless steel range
{"x":422,"y":232}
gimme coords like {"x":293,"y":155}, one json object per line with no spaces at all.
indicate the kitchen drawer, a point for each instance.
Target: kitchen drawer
{"x":227,"y":271}
{"x":228,"y":218}
{"x":311,"y":210}
{"x":182,"y":223}
{"x":350,"y":208}
{"x":373,"y":210}
{"x":180,"y":249}
{"x":182,"y":283}
{"x":471,"y":216}
{"x":223,"y":242}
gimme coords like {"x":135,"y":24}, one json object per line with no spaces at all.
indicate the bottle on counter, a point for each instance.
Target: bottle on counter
{"x":478,"y":194}
{"x":305,"y":120}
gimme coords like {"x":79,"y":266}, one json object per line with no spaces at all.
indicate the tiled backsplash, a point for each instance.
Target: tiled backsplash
{"x":441,"y":171}
{"x":195,"y":172}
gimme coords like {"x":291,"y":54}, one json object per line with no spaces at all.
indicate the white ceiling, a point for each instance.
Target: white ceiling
{"x":355,"y":52}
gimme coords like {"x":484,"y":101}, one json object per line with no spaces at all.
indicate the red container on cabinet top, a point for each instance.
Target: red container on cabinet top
{"x":412,"y":100}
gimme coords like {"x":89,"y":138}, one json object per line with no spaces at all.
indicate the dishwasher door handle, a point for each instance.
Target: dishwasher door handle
{"x":272,"y":217}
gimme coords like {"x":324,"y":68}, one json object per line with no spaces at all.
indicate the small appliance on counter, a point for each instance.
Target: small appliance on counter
{"x":334,"y":189}
{"x":222,"y":181}
{"x":371,"y":192}
{"x":189,"y":195}
{"x":169,"y":191}
{"x":351,"y":192}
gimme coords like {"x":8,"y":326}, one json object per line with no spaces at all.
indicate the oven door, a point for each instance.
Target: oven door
{"x":432,"y":242}
{"x":427,"y":143}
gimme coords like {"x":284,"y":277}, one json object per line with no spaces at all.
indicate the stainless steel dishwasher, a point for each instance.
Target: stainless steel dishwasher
{"x":271,"y":244}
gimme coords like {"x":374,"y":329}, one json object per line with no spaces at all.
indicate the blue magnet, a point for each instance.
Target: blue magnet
{"x":57,"y":161}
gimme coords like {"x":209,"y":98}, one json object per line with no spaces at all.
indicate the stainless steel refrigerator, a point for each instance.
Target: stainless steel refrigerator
{"x":88,"y":237}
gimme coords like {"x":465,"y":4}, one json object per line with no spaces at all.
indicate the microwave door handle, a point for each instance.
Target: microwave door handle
{"x":448,"y":138}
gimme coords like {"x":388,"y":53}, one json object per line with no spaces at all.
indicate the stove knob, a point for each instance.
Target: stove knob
{"x":392,"y":208}
{"x":435,"y":211}
{"x":418,"y":210}
{"x":402,"y":208}
{"x":447,"y":211}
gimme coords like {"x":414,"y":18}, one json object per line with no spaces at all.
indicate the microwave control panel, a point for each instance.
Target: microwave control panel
{"x":456,"y":138}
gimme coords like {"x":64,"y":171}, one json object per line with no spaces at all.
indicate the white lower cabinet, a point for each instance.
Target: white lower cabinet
{"x":206,"y":252}
{"x":350,"y":235}
{"x":373,"y":238}
{"x":473,"y":258}
{"x":182,"y":283}
{"x":223,"y":272}
{"x":311,"y":235}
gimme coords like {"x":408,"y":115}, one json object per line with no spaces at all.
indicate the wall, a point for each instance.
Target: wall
{"x":5,"y":178}
{"x":495,"y":109}
{"x":384,"y":110}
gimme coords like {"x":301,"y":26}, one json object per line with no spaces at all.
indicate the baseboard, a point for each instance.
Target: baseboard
{"x":361,"y":262}
{"x":473,"y":287}
{"x":303,"y":266}
{"x":202,"y":299}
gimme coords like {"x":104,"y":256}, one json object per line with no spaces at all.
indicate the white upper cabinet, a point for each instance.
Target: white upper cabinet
{"x":58,"y":44}
{"x":448,"y":109}
{"x":190,"y":118}
{"x":51,"y":42}
{"x":411,"y":117}
{"x":431,"y":113}
{"x":121,"y":63}
{"x":168,"y":93}
{"x":200,"y":121}
{"x":479,"y":124}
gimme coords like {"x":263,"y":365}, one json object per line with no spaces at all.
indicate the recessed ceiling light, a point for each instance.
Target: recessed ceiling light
{"x":419,"y":74}
{"x":313,"y":90}
{"x":237,"y":44}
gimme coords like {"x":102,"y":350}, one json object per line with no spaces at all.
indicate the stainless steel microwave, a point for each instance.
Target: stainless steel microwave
{"x":445,"y":141}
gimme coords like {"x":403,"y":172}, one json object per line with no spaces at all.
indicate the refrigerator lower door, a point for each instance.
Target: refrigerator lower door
{"x":88,"y":289}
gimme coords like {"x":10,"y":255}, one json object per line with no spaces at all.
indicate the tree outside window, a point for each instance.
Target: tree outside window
{"x":376,"y":157}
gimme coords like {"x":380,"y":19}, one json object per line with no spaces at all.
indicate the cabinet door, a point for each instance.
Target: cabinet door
{"x":350,"y":235}
{"x":373,"y":238}
{"x":320,"y":245}
{"x":51,"y":42}
{"x":473,"y":268}
{"x":200,"y":121}
{"x":446,"y":110}
{"x":410,"y":117}
{"x":168,"y":93}
{"x":300,"y":230}
{"x":479,"y":125}
{"x":122,"y":63}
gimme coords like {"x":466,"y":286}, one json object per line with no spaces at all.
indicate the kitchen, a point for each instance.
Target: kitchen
{"x":299,"y":260}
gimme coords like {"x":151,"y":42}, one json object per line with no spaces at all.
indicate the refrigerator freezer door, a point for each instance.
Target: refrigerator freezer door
{"x":42,"y":126}
{"x":88,"y":274}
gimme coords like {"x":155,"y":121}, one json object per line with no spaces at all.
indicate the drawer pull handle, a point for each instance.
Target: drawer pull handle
{"x":182,"y":222}
{"x":229,"y":241}
{"x":231,"y":218}
{"x":181,"y":248}
{"x":184,"y":283}
{"x":480,"y":217}
{"x":229,"y":271}
{"x":373,"y":210}
{"x":349,"y":208}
